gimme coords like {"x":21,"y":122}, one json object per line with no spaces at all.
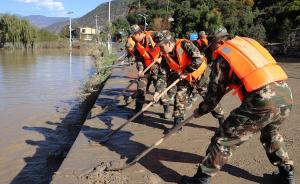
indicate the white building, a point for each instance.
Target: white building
{"x":86,"y":33}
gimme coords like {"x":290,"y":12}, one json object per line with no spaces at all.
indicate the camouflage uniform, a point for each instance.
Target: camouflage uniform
{"x":263,"y":110}
{"x":194,"y":93}
{"x":143,"y":81}
{"x":200,"y":47}
{"x":184,"y":88}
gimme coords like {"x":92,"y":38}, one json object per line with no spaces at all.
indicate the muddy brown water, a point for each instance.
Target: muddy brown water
{"x":37,"y":91}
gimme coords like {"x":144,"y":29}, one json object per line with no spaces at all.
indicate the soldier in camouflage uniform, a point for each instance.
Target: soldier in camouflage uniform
{"x":170,"y":47}
{"x":262,"y":110}
{"x":140,"y":36}
{"x":201,"y":44}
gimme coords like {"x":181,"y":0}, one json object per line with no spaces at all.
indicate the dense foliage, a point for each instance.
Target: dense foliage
{"x":14,"y":31}
{"x":269,"y":20}
{"x":279,"y":17}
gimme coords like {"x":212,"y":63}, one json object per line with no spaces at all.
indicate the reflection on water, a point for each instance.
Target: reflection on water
{"x":35,"y":87}
{"x":36,"y":78}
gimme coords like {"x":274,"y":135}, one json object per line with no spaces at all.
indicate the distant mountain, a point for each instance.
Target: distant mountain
{"x":57,"y":27}
{"x":119,"y":8}
{"x":43,"y":21}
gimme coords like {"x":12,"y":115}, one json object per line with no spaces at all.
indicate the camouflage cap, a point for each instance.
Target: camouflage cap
{"x":217,"y":35}
{"x":220,"y":32}
{"x":165,"y":36}
{"x":202,"y":33}
{"x":135,"y":29}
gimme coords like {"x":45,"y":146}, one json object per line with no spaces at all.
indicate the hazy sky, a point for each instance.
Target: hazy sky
{"x":48,"y":7}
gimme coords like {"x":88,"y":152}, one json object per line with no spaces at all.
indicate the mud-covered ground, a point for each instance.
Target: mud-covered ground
{"x":177,"y":156}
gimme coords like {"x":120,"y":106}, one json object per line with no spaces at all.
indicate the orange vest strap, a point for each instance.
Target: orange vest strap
{"x":205,"y":41}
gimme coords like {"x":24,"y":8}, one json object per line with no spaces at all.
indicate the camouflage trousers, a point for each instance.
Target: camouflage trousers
{"x":145,"y":82}
{"x":183,"y":93}
{"x":170,"y":97}
{"x":151,"y":80}
{"x":261,"y":111}
{"x":142,"y":87}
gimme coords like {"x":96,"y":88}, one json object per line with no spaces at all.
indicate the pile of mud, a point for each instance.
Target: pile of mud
{"x":99,"y":176}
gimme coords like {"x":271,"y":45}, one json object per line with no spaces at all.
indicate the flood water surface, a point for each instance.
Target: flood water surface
{"x":36,"y":89}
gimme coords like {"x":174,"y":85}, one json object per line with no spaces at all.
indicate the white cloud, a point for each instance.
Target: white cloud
{"x":46,"y":4}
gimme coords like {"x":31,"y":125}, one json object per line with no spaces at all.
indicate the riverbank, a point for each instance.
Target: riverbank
{"x":62,"y":43}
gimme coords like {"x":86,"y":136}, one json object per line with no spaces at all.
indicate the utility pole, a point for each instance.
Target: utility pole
{"x":139,"y":4}
{"x":109,"y":11}
{"x":108,"y":40}
{"x":97,"y":29}
{"x":96,"y":24}
{"x":168,"y":6}
{"x":70,"y":29}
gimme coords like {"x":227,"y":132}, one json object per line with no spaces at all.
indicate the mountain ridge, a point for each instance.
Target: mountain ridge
{"x":119,"y":8}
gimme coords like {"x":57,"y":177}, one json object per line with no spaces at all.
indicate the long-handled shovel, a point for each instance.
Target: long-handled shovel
{"x":107,"y":137}
{"x":146,"y":69}
{"x":141,"y":155}
{"x":106,"y":108}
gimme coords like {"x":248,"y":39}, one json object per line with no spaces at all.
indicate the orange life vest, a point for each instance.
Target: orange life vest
{"x":251,"y":62}
{"x":150,"y":52}
{"x":184,"y":60}
{"x":202,"y":40}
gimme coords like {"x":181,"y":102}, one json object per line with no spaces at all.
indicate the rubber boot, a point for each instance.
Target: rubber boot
{"x":175,"y":123}
{"x":221,"y":121}
{"x":167,"y":113}
{"x":286,"y":174}
{"x":198,"y":178}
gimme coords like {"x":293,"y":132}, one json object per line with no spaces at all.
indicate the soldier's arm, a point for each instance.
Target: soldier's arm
{"x":162,"y":76}
{"x":217,"y":86}
{"x":194,"y":52}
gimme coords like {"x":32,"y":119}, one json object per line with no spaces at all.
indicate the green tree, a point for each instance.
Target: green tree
{"x":278,"y":17}
{"x":44,"y":35}
{"x":190,"y":17}
{"x":28,"y":33}
{"x":65,"y":32}
{"x":10,"y":29}
{"x":120,"y":24}
{"x":13,"y":30}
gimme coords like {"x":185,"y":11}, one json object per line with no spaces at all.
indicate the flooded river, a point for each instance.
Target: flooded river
{"x":37,"y":90}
